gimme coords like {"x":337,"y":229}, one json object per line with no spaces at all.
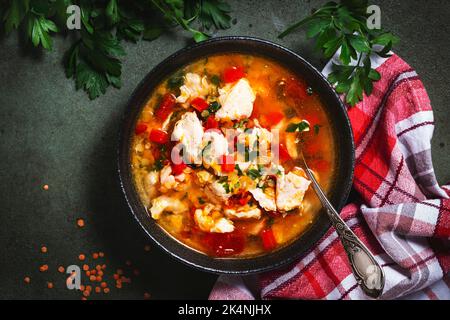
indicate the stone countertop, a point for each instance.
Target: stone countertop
{"x":52,"y":134}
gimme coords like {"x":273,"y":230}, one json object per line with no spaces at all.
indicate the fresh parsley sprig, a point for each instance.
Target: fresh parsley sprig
{"x":344,"y":26}
{"x":94,"y":60}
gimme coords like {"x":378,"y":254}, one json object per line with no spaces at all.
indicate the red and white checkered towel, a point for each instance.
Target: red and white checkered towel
{"x":403,"y":216}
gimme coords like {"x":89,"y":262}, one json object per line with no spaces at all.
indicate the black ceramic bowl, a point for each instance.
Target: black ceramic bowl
{"x":342,"y":131}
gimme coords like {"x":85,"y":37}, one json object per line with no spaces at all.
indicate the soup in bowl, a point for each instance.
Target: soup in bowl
{"x":214,"y":157}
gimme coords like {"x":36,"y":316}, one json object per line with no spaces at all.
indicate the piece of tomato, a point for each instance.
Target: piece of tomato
{"x":268,"y":240}
{"x":224,"y":244}
{"x":211,"y":123}
{"x":178,"y":168}
{"x":199,"y":104}
{"x":141,"y":127}
{"x":227,"y":164}
{"x":283,"y":153}
{"x":159,"y":136}
{"x":296,"y":89}
{"x":233,"y":74}
{"x":165,"y":107}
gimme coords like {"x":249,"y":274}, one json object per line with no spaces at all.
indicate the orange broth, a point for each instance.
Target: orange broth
{"x":279,"y":93}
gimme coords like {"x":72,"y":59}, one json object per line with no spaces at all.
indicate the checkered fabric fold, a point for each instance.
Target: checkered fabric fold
{"x":403,"y":215}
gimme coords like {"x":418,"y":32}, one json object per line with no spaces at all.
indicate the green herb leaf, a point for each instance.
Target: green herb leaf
{"x":343,"y":25}
{"x":298,"y":127}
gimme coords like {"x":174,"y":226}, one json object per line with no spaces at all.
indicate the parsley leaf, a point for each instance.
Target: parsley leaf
{"x":94,"y":58}
{"x":298,"y":127}
{"x":344,"y":26}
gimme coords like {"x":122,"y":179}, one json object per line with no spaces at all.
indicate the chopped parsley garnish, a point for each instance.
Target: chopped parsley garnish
{"x":240,"y":123}
{"x":213,"y":107}
{"x":317,"y":128}
{"x":238,"y":169}
{"x":298,"y":127}
{"x":254,"y":174}
{"x":201,"y":200}
{"x":175,"y":81}
{"x":158,"y":165}
{"x":215,"y":80}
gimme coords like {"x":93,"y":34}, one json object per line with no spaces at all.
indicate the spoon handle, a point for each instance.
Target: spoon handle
{"x":368,"y":273}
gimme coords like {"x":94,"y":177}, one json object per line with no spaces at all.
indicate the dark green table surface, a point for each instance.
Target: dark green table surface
{"x":51,"y":134}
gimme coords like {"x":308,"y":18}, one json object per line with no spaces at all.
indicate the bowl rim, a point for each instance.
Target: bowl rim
{"x":215,"y":265}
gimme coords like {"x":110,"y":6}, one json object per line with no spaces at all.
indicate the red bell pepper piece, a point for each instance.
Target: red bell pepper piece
{"x":141,"y":127}
{"x":283,"y":153}
{"x":211,"y":123}
{"x":178,"y":168}
{"x":268,"y":240}
{"x":165,"y":107}
{"x":199,"y":104}
{"x":233,"y":74}
{"x":159,"y":136}
{"x":227,"y":164}
{"x":224,"y":244}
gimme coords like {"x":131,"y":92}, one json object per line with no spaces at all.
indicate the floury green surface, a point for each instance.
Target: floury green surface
{"x":51,"y":134}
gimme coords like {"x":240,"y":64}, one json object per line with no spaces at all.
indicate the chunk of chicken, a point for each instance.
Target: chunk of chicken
{"x":194,"y":86}
{"x":243,"y":213}
{"x":236,"y":100}
{"x":189,"y":131}
{"x":166,"y":203}
{"x":150,"y":183}
{"x":209,"y":219}
{"x":214,"y":145}
{"x":216,"y":192}
{"x":291,"y":189}
{"x":265,"y":199}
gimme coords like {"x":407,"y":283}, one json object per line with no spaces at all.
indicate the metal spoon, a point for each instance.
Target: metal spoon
{"x":368,"y":273}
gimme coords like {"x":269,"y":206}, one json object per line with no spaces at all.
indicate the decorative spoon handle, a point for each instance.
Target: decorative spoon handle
{"x":367,"y":271}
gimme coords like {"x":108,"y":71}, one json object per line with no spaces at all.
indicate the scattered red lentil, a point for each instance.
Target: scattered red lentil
{"x":50,"y":285}
{"x":103,"y":266}
{"x":100,"y":273}
{"x":89,"y":288}
{"x":93,"y":271}
{"x":92,"y":278}
{"x":98,"y":289}
{"x":146,"y":296}
{"x":86,"y":293}
{"x":81,"y":257}
{"x":119,"y":285}
{"x":45,"y":187}
{"x":101,"y":254}
{"x":103,"y":284}
{"x":80,"y":223}
{"x":61,"y":269}
{"x":82,"y":287}
{"x":27,"y":280}
{"x":98,"y":267}
{"x":83,"y":298}
{"x":43,"y":268}
{"x":88,"y":273}
{"x":116,"y":276}
{"x":95,"y":255}
{"x":85,"y":267}
{"x":98,"y":279}
{"x":106,"y":290}
{"x":43,"y":249}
